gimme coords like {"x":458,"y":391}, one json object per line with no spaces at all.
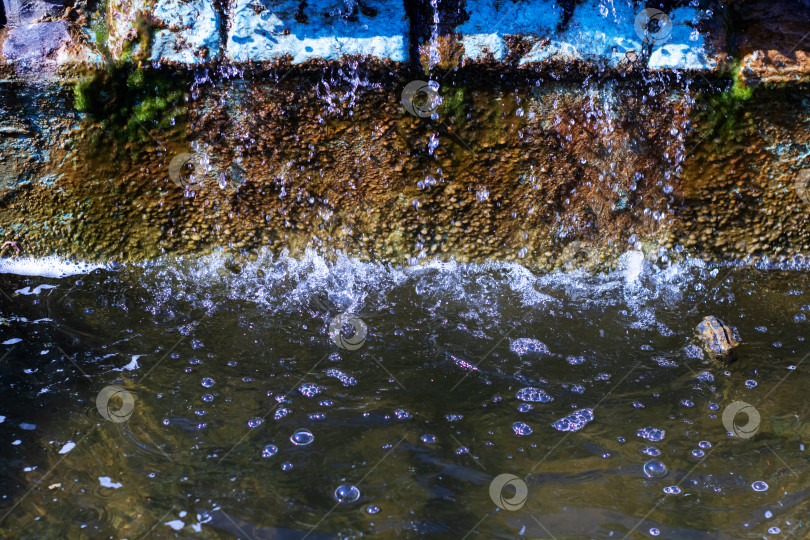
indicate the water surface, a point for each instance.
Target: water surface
{"x":226,"y":361}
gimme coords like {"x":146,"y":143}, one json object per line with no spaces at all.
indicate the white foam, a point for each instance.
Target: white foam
{"x":51,"y":267}
{"x":107,"y":482}
{"x":70,"y":445}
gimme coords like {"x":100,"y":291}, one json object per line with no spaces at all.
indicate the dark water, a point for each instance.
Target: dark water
{"x":221,"y":359}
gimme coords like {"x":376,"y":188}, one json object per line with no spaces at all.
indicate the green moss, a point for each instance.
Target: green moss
{"x":453,"y":102}
{"x":101,"y":33}
{"x":739,"y":90}
{"x":127,"y":102}
{"x":725,"y":115}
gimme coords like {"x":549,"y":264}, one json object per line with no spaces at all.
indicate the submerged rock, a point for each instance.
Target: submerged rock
{"x":718,"y":339}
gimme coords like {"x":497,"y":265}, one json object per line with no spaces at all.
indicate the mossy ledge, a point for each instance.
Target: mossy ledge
{"x":551,"y":168}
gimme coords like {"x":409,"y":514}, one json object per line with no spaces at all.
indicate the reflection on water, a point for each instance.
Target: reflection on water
{"x":286,"y":398}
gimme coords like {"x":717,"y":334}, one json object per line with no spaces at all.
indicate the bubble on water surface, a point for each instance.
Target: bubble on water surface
{"x":774,"y":530}
{"x":672,"y":490}
{"x":533,"y":394}
{"x":345,"y":379}
{"x":698,"y":453}
{"x":269,"y":451}
{"x":462,"y":450}
{"x":402,"y":414}
{"x":525,"y":407}
{"x":281,"y":412}
{"x":428,"y":439}
{"x":652,"y":451}
{"x":302,"y":437}
{"x":705,"y":445}
{"x":750,"y":384}
{"x":347,"y":494}
{"x":373,"y":509}
{"x":310,"y":389}
{"x":207,"y":382}
{"x":208,"y":398}
{"x":651,"y":434}
{"x":759,"y":485}
{"x":575,"y":360}
{"x":527,"y":345}
{"x":521,"y":429}
{"x":453,"y":417}
{"x":655,"y":469}
{"x":255,"y":422}
{"x":286,"y":466}
{"x":317,"y":416}
{"x":574,"y":421}
{"x":654,"y":532}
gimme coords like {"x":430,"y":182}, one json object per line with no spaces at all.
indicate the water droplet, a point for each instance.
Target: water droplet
{"x":302,"y":437}
{"x":655,"y":469}
{"x":207,"y":382}
{"x":759,"y":485}
{"x":269,"y":451}
{"x":521,"y":429}
{"x":347,"y":494}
